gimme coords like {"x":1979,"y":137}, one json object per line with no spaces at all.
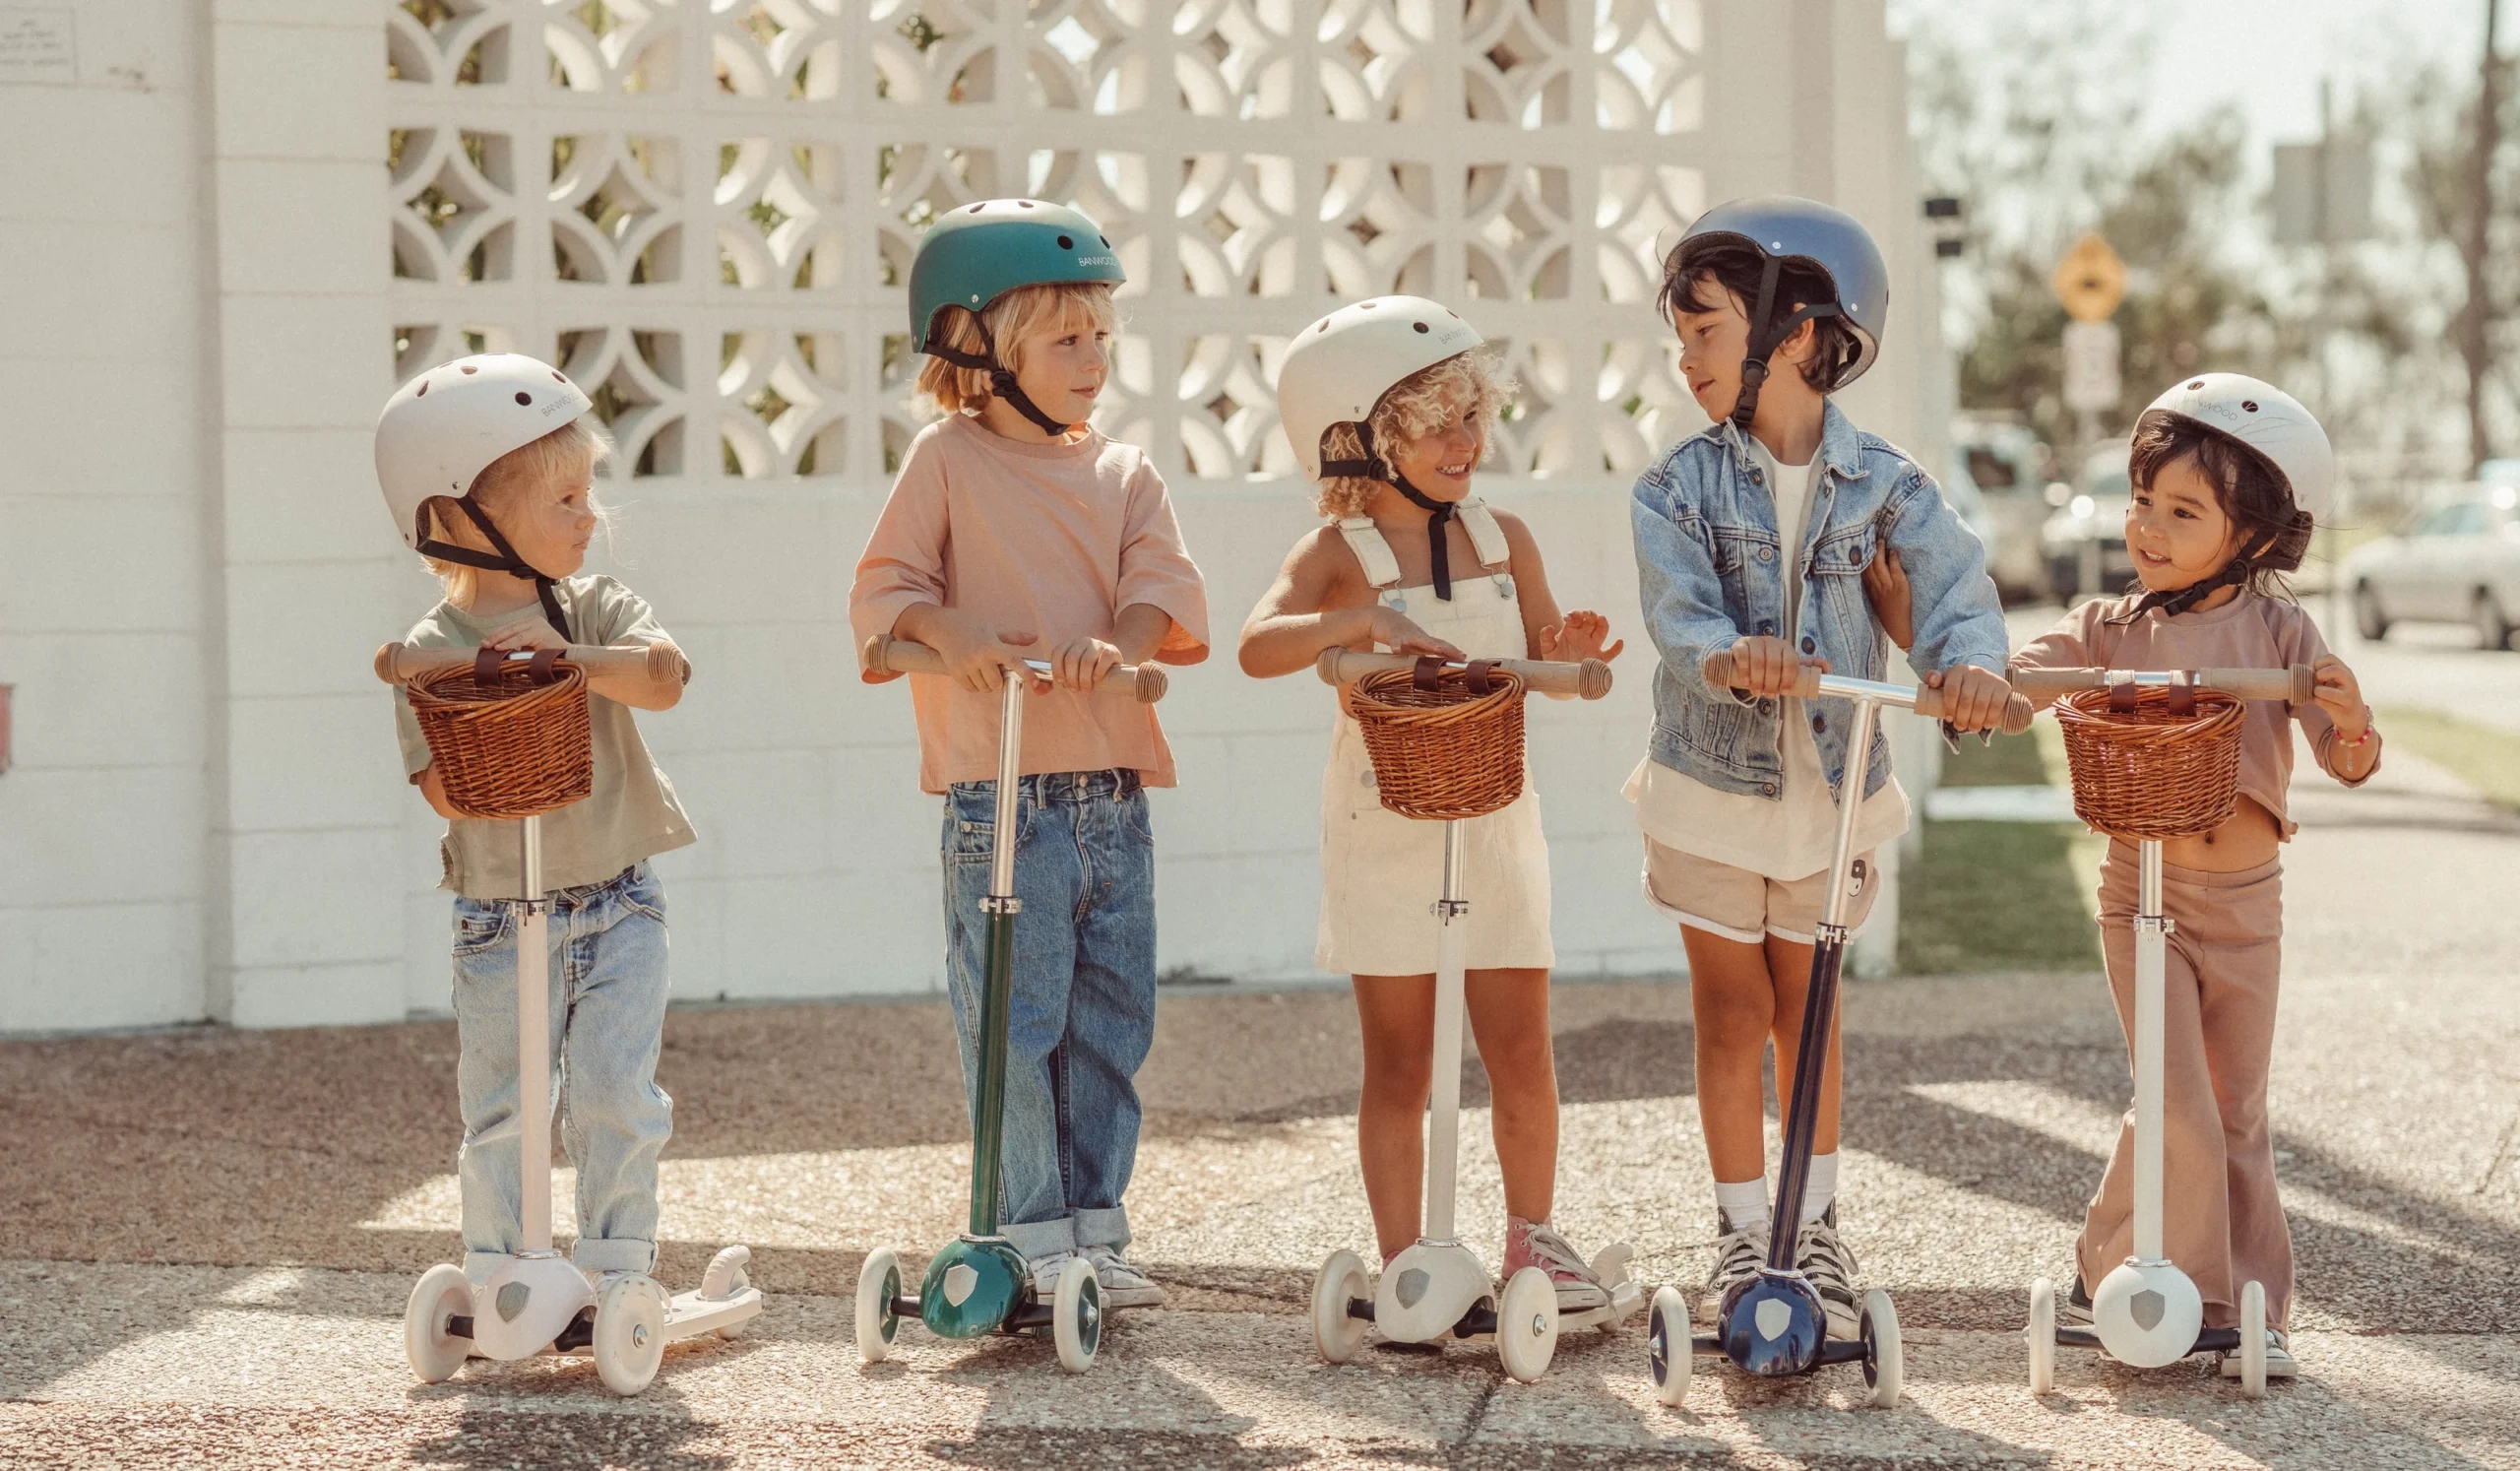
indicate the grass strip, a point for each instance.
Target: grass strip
{"x":2482,"y":757}
{"x":1999,"y":896}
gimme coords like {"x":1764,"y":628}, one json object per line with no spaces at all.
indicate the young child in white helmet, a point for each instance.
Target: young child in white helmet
{"x":2231,"y":474}
{"x":1388,"y":404}
{"x":1751,"y":539}
{"x":1018,"y":530}
{"x":488,"y":464}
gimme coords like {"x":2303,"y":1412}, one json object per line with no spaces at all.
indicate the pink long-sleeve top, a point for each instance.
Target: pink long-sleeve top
{"x":1052,"y":539}
{"x":2251,"y":631}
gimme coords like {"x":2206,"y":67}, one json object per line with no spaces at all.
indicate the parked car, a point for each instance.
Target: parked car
{"x":2007,"y":465}
{"x":2456,"y":562}
{"x":2083,"y":542}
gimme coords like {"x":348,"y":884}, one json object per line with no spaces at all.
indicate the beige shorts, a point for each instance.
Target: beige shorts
{"x":1747,"y":907}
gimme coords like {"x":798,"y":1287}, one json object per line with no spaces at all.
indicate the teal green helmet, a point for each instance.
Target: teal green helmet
{"x":980,"y":251}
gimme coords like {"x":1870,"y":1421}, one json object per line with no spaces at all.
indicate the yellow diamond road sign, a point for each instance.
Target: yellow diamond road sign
{"x":2091,"y":281}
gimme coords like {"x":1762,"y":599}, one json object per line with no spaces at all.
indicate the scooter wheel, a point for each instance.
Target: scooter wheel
{"x":2254,"y":1339}
{"x":1340,"y":1280}
{"x":630,"y":1333}
{"x":879,"y":1281}
{"x":442,"y":1293}
{"x":1526,"y":1324}
{"x":1076,"y":1316}
{"x":727,"y":1278}
{"x":1670,"y":1353}
{"x":1885,"y":1362}
{"x":2041,"y":1334}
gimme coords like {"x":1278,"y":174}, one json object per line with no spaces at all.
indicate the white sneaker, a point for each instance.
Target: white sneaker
{"x":1046,"y":1273}
{"x":1538,"y":1244}
{"x":1123,"y":1286}
{"x":1737,"y":1257}
{"x":1824,"y":1258}
{"x":2280,"y":1362}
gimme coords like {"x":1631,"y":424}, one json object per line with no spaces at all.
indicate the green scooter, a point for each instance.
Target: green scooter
{"x":978,"y":1282}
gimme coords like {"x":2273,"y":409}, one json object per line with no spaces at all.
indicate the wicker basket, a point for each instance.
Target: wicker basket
{"x":2153,"y":762}
{"x":1445,"y":743}
{"x":509,"y":739}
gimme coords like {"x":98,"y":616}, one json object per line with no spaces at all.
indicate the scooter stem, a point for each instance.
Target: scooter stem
{"x":1821,"y":1001}
{"x":533,"y":1038}
{"x":1443,"y":1113}
{"x":988,"y":1119}
{"x":2152,"y":932}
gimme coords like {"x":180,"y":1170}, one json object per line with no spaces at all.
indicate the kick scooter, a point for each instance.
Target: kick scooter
{"x":1437,"y":1288}
{"x":2147,"y":1313}
{"x":978,"y":1282}
{"x":1774,"y":1324}
{"x":539,"y":1302}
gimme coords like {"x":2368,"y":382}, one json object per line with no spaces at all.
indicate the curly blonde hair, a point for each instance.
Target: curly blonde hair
{"x":1475,"y":382}
{"x":553,"y":466}
{"x":1014,"y":320}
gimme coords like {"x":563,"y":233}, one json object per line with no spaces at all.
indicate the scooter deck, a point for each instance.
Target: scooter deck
{"x":689,"y":1314}
{"x":1032,"y":1316}
{"x":2210,"y":1341}
{"x":1832,"y":1350}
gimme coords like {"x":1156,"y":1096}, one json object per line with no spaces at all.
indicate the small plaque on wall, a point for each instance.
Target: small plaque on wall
{"x":37,"y":44}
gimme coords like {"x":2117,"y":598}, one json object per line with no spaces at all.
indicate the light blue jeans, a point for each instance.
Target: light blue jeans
{"x":1083,"y":1009}
{"x":607,"y":1024}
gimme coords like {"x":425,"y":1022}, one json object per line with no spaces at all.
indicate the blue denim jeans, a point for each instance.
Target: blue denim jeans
{"x":607,"y":1024}
{"x":1083,"y":1006}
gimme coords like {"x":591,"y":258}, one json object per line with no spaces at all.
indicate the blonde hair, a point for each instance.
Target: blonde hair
{"x":1013,"y":320}
{"x":549,"y":466}
{"x":1416,"y":404}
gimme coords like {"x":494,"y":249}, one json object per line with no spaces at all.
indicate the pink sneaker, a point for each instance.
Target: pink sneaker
{"x":1538,"y":1244}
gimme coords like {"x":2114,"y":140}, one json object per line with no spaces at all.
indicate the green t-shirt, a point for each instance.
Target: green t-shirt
{"x":630,"y":816}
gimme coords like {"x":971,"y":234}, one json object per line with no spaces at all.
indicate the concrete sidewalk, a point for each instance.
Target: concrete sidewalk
{"x":209,"y":1235}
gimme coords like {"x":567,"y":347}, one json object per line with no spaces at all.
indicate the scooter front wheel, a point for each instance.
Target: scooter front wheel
{"x":442,"y":1293}
{"x":1885,"y":1359}
{"x":2041,"y":1334}
{"x":1526,"y":1324}
{"x":879,"y":1282}
{"x":1671,"y":1351}
{"x":1076,"y":1316}
{"x":630,"y":1333}
{"x":1336,"y":1332}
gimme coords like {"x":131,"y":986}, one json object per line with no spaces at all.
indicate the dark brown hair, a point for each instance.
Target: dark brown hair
{"x":2274,"y":533}
{"x":1730,"y":265}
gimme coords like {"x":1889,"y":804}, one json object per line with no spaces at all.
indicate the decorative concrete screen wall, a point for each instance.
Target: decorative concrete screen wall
{"x":705,"y":210}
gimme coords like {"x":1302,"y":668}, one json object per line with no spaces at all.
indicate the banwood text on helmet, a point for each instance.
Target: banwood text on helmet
{"x":1337,"y":369}
{"x":979,"y":253}
{"x":440,"y":430}
{"x":1784,"y":228}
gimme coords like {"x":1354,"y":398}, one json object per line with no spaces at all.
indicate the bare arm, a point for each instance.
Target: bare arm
{"x":426,"y":780}
{"x":1292,"y":624}
{"x":631,"y":687}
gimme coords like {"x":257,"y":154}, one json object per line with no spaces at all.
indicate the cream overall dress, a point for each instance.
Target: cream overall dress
{"x":1381,"y":873}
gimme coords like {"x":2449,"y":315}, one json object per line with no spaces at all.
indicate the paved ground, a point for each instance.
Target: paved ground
{"x":208,"y":1236}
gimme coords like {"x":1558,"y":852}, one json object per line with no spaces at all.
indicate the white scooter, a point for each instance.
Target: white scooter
{"x":539,"y":1302}
{"x":1437,"y":1288}
{"x":2147,"y":1313}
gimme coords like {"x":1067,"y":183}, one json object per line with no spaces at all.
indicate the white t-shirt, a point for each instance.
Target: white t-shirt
{"x":1794,"y":835}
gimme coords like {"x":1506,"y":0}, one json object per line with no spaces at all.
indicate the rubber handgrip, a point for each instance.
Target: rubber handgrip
{"x":2295,"y":686}
{"x":1589,"y":679}
{"x":661,"y":663}
{"x":1145,"y":684}
{"x":2019,"y":712}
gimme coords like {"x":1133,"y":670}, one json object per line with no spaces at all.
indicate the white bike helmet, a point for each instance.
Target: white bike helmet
{"x":440,"y":430}
{"x":2267,"y":420}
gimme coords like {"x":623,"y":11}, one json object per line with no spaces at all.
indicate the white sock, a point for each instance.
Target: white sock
{"x":1820,"y":1188}
{"x":1744,"y":1204}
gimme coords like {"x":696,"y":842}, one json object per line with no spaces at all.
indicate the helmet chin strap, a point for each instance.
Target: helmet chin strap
{"x":2234,"y":573}
{"x":1438,"y":512}
{"x":1766,"y":337}
{"x":504,"y":561}
{"x":1001,"y":380}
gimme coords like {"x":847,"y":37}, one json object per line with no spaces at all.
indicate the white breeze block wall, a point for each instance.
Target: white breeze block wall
{"x":705,"y":210}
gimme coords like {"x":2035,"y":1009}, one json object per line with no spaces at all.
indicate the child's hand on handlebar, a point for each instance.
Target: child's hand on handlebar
{"x":1770,"y":667}
{"x":1579,"y":638}
{"x":977,"y":652}
{"x":1080,"y":663}
{"x":1400,"y":636}
{"x":2339,"y":695}
{"x":1973,"y":699}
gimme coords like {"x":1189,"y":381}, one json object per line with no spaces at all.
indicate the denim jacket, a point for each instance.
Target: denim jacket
{"x":1710,"y":571}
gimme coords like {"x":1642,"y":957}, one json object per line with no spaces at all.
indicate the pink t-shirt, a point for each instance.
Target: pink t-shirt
{"x":2248,"y":632}
{"x":1049,"y":539}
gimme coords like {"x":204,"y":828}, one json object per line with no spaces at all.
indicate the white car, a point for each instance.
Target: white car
{"x":2456,"y":562}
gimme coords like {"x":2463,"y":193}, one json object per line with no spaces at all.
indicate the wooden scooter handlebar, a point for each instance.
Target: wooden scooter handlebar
{"x":661,"y":663}
{"x":1923,"y":699}
{"x":1589,"y":680}
{"x":1142,"y":682}
{"x":2296,"y":685}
